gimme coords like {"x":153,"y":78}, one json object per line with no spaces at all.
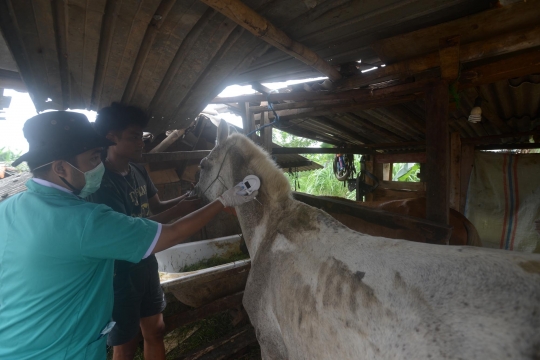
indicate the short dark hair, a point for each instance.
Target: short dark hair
{"x":118,"y":117}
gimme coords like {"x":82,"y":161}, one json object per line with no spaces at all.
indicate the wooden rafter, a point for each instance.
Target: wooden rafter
{"x":264,"y":29}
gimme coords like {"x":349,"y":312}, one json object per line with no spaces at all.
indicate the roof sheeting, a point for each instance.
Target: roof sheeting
{"x":171,"y":57}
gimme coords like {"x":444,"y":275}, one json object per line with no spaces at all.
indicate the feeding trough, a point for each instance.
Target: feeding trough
{"x":199,"y":287}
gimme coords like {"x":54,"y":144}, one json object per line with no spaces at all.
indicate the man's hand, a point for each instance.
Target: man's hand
{"x":231,"y":197}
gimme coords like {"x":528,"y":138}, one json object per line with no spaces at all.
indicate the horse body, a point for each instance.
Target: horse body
{"x":318,"y":290}
{"x":463,"y":232}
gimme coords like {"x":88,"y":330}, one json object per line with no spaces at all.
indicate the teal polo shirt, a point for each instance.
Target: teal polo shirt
{"x":57,"y":255}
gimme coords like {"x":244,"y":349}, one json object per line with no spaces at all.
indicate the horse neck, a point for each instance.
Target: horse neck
{"x":254,"y":218}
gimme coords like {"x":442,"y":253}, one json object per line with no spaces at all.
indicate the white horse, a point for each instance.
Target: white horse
{"x":318,"y":290}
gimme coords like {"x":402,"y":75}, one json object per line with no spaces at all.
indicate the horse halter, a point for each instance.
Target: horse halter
{"x":218,"y":177}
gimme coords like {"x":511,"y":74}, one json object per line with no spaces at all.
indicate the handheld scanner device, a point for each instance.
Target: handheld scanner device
{"x":250,"y":184}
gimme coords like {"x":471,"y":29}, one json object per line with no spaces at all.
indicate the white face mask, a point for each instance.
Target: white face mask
{"x":92,"y":180}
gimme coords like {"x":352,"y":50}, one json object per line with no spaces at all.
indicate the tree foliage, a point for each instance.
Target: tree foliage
{"x":316,"y":182}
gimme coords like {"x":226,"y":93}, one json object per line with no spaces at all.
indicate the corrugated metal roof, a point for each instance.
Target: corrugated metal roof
{"x":171,"y":57}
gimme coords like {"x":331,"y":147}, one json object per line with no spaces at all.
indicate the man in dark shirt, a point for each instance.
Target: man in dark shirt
{"x":127,"y":188}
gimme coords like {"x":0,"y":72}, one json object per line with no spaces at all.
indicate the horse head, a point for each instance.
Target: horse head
{"x":232,"y":159}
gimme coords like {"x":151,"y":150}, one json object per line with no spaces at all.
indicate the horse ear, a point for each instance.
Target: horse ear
{"x":222,"y":132}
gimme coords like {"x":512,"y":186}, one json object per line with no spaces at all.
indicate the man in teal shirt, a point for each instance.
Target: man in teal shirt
{"x":57,"y":251}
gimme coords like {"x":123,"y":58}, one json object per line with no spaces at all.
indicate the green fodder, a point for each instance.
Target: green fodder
{"x":214,"y":261}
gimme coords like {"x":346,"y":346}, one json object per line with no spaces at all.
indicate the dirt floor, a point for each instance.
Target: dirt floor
{"x":197,"y":335}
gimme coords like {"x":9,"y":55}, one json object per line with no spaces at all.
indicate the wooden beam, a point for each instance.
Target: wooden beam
{"x":286,"y":115}
{"x":473,"y":28}
{"x":503,"y":44}
{"x":509,"y":146}
{"x":11,"y":80}
{"x":175,"y":156}
{"x":437,"y":153}
{"x":455,"y":170}
{"x":263,"y":29}
{"x":417,"y":87}
{"x":449,"y":58}
{"x":257,"y":86}
{"x":402,"y":185}
{"x":436,"y":233}
{"x":502,"y":68}
{"x":297,"y":150}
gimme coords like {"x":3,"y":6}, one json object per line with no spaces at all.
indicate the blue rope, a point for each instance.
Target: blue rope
{"x":276,"y":117}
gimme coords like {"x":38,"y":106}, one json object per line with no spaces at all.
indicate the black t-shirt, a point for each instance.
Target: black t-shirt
{"x":128,"y":195}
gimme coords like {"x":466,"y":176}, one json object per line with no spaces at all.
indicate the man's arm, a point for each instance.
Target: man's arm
{"x":157,"y":206}
{"x":182,"y":229}
{"x":182,"y":208}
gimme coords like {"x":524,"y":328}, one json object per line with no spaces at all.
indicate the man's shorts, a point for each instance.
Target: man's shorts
{"x":137,"y":294}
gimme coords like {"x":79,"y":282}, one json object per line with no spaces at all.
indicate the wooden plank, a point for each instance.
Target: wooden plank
{"x":132,"y":23}
{"x":467,"y":165}
{"x":437,"y":153}
{"x":393,"y":194}
{"x":205,"y":53}
{"x":146,"y":45}
{"x":455,"y":171}
{"x":387,"y":172}
{"x":473,"y":28}
{"x":358,"y":95}
{"x":175,"y":156}
{"x":437,"y":233}
{"x":502,"y":68}
{"x":402,"y":185}
{"x":417,"y":157}
{"x":105,"y":44}
{"x":354,"y":106}
{"x":508,"y":146}
{"x":262,"y":28}
{"x":172,"y":34}
{"x":175,"y":321}
{"x":503,"y":44}
{"x":93,"y":22}
{"x":298,"y":150}
{"x":449,"y":58}
{"x":50,"y":50}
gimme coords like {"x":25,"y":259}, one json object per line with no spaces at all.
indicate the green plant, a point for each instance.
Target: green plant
{"x":8,"y":156}
{"x":405,"y":172}
{"x":317,"y":182}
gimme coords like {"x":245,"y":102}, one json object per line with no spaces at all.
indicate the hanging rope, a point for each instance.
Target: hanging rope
{"x":276,"y":117}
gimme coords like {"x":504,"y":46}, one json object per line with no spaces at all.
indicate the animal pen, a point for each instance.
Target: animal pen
{"x":402,"y":78}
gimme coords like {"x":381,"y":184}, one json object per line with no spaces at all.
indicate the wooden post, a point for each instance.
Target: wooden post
{"x":266,"y":133}
{"x":467,"y":164}
{"x":437,"y":153}
{"x":248,"y":121}
{"x":455,"y":170}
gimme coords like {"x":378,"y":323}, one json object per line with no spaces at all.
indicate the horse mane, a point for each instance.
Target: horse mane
{"x":272,"y":178}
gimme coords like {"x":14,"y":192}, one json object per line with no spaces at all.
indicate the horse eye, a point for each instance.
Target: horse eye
{"x":202,"y":164}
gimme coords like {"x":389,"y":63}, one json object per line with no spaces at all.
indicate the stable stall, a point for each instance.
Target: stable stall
{"x":427,"y":82}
